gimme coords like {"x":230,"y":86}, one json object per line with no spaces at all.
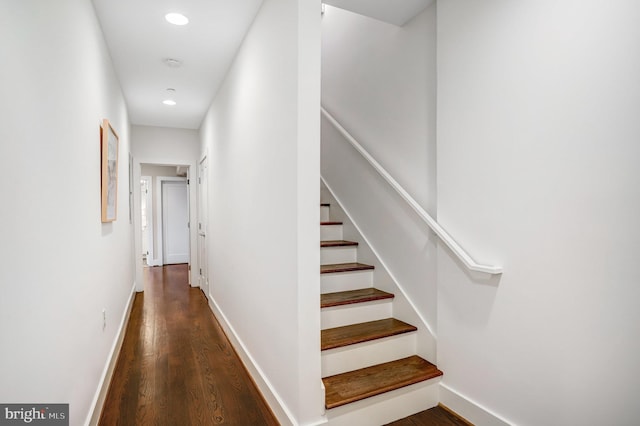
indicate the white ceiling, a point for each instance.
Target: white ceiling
{"x":139,"y":40}
{"x":396,"y":12}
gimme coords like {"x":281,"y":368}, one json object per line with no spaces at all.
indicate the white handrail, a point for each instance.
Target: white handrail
{"x":435,"y":226}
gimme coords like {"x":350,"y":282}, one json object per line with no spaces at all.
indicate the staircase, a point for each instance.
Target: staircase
{"x":371,"y":371}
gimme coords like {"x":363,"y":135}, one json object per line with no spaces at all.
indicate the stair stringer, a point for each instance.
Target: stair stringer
{"x":402,"y":307}
{"x":399,"y":403}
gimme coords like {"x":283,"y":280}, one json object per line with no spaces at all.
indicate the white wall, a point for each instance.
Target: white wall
{"x":165,"y":146}
{"x":399,"y":238}
{"x":262,"y":135}
{"x":538,"y":106}
{"x":61,"y":265}
{"x":378,"y":81}
{"x":154,"y":170}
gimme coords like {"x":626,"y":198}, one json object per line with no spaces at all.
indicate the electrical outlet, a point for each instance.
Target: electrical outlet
{"x":104,"y":318}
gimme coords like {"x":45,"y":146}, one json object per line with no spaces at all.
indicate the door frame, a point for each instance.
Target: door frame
{"x":160,"y":220}
{"x":201,"y":229}
{"x":150,"y":208}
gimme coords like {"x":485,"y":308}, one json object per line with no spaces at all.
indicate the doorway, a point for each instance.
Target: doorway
{"x":164,"y":213}
{"x":156,"y":173}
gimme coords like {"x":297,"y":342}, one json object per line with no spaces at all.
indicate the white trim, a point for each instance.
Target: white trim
{"x":279,"y":408}
{"x":159,"y":259}
{"x":150,"y":208}
{"x":203,"y":281}
{"x":187,"y":182}
{"x":469,"y":409}
{"x":107,"y":373}
{"x":435,"y":226}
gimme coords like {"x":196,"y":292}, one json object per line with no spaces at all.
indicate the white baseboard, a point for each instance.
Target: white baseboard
{"x":103,"y":387}
{"x":274,"y":401}
{"x":468,"y":409}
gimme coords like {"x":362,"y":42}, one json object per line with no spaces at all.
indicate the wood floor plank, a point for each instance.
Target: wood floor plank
{"x":337,"y":243}
{"x":340,"y":298}
{"x":344,"y":267}
{"x":359,"y":384}
{"x":337,"y":337}
{"x":176,"y":365}
{"x":436,"y":416}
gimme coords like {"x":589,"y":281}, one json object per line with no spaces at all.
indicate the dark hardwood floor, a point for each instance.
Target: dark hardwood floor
{"x":176,"y":366}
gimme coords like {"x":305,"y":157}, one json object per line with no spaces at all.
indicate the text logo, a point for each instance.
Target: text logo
{"x":34,"y":414}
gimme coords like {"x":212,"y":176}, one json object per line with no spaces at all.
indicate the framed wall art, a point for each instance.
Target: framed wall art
{"x":109,"y":181}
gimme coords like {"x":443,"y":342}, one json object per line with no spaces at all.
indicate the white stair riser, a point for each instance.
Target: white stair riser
{"x":330,"y":232}
{"x":361,"y":355}
{"x":324,"y":213}
{"x":337,"y":316}
{"x":388,"y":407}
{"x":329,"y":255}
{"x":345,"y":281}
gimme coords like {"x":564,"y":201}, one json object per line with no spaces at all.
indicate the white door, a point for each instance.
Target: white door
{"x":175,"y":222}
{"x":202,"y":226}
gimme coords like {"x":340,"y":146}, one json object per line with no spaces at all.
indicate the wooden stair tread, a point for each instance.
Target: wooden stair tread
{"x":359,"y":384}
{"x":338,"y":337}
{"x":436,"y":416}
{"x":340,"y":298}
{"x":330,"y":222}
{"x":337,"y":243}
{"x":344,"y":267}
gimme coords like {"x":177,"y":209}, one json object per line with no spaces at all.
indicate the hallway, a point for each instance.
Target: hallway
{"x":176,"y":366}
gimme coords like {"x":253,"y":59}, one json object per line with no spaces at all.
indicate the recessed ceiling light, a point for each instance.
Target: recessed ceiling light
{"x":173,"y":63}
{"x":176,"y":18}
{"x":169,"y":102}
